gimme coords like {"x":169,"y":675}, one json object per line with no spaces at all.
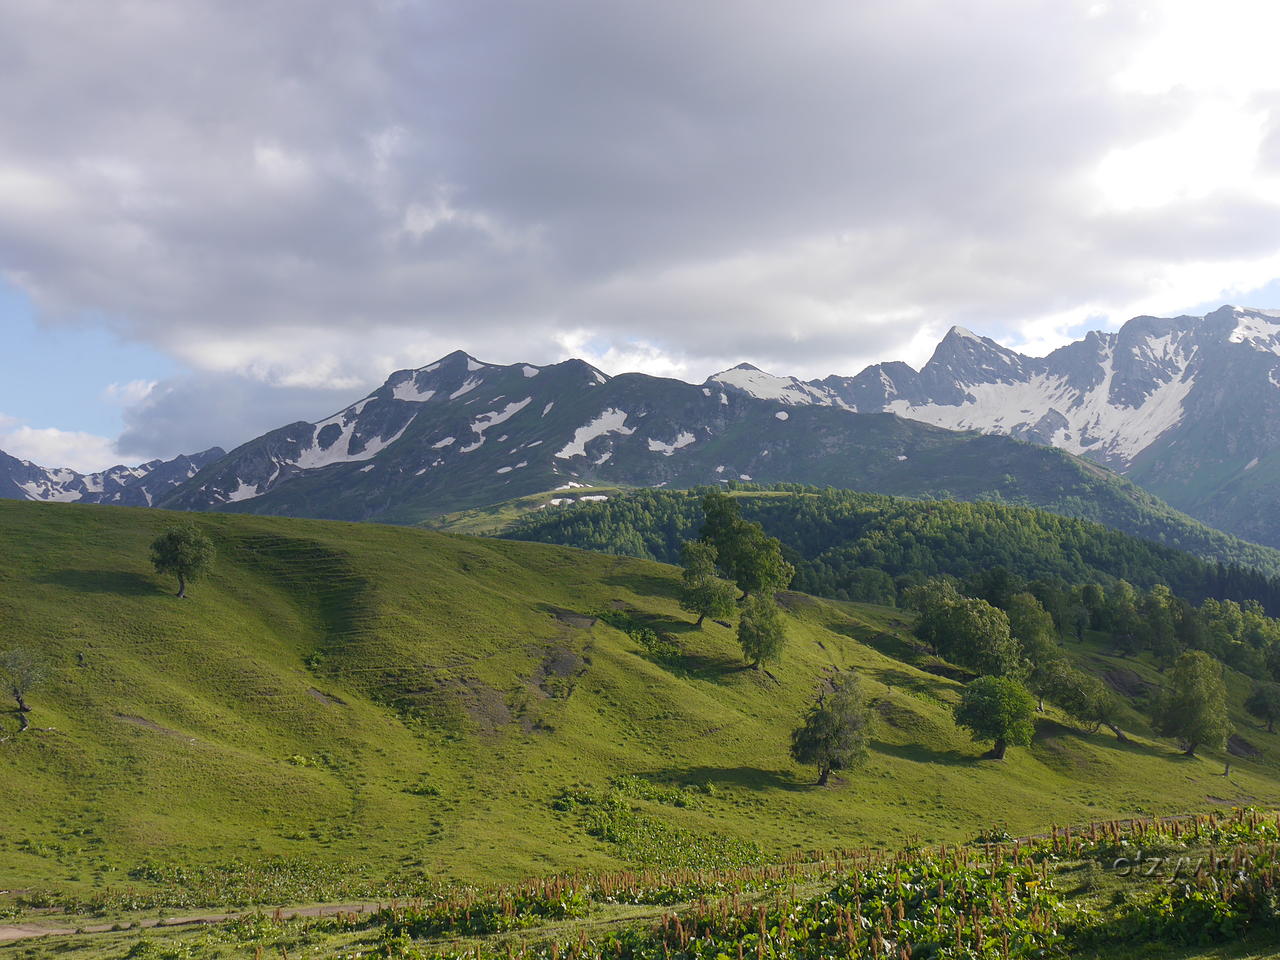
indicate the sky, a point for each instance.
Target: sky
{"x":217,"y":218}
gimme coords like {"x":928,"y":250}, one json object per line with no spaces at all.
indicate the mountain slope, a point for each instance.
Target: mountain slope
{"x":138,"y":486}
{"x":460,"y":433}
{"x":1188,"y":407}
{"x":370,"y":702}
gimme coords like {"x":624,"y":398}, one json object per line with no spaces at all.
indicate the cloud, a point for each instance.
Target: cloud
{"x":128,"y":394}
{"x":293,"y":201}
{"x":193,"y":413}
{"x":49,"y":446}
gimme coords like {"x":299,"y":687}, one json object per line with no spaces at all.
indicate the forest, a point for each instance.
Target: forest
{"x":869,"y":547}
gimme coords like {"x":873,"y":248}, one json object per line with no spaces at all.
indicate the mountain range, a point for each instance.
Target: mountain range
{"x":1186,"y":407}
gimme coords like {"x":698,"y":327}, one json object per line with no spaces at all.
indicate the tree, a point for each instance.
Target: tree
{"x":1193,"y":707}
{"x":1156,"y":623}
{"x":977,"y":636}
{"x":932,"y":602}
{"x":746,"y":554}
{"x":702,"y":591}
{"x":20,"y":671}
{"x":760,"y":631}
{"x":835,"y":730}
{"x":1084,"y":698}
{"x":997,"y":709}
{"x":183,"y":551}
{"x":1264,"y":703}
{"x":757,"y":563}
{"x":1034,"y":629}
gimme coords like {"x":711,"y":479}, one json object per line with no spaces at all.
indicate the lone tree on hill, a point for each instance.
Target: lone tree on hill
{"x":997,"y":709}
{"x":1264,"y":703}
{"x":702,"y":591}
{"x":760,"y":631}
{"x":20,"y":671}
{"x":1193,"y":708}
{"x":183,"y":551}
{"x":835,"y":730}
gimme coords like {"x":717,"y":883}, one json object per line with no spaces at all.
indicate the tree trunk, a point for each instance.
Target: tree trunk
{"x":1190,"y":751}
{"x":1271,"y":726}
{"x":823,"y":776}
{"x":997,"y":752}
{"x":182,"y":587}
{"x":701,"y":617}
{"x":756,"y":665}
{"x":23,"y":722}
{"x":1118,"y":732}
{"x":1040,"y":703}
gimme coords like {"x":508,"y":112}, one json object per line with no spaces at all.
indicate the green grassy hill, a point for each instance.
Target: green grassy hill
{"x":371,"y":702}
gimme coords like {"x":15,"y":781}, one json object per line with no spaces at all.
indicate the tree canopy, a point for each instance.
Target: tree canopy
{"x":702,"y":591}
{"x":1193,"y":706}
{"x":184,"y":552}
{"x":998,"y":709}
{"x":760,"y":631}
{"x":835,"y":730}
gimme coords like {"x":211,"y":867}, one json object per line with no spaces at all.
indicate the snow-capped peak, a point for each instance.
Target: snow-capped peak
{"x":754,"y":382}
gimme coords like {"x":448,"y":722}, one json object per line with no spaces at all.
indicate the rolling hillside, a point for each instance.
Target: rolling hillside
{"x":366,"y":708}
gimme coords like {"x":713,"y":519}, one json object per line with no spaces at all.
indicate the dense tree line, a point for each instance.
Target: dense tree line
{"x":869,"y":547}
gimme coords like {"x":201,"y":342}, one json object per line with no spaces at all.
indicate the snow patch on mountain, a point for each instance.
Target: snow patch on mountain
{"x":491,"y":419}
{"x":468,"y":385}
{"x":667,"y":449}
{"x":610,"y":421}
{"x":244,"y":491}
{"x":339,"y":449}
{"x":408,"y":390}
{"x":1260,"y":329}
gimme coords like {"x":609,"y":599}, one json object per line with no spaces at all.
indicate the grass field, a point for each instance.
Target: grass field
{"x":343,"y":712}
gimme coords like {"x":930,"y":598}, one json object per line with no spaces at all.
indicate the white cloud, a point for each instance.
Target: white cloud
{"x":50,"y":447}
{"x":128,"y":394}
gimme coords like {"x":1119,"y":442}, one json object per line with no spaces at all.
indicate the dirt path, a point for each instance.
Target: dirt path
{"x":27,"y":931}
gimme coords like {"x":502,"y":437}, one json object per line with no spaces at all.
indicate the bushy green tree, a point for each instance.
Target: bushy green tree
{"x":835,"y":730}
{"x":965,"y":630}
{"x":760,"y":630}
{"x":1193,"y":706}
{"x":756,"y":562}
{"x":1264,"y":703}
{"x":748,"y":556}
{"x":183,"y":551}
{"x":998,"y":709}
{"x":702,"y":592}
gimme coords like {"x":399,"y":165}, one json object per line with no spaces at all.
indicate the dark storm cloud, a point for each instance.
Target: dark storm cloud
{"x":301,"y":195}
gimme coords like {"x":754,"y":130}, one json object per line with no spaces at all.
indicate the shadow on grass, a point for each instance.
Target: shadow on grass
{"x":889,"y":644}
{"x":645,"y":584}
{"x":750,"y":778}
{"x":702,"y":667}
{"x":104,"y":581}
{"x":918,"y":753}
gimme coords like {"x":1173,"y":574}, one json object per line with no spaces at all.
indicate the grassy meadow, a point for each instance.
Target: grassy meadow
{"x":351,"y":712}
